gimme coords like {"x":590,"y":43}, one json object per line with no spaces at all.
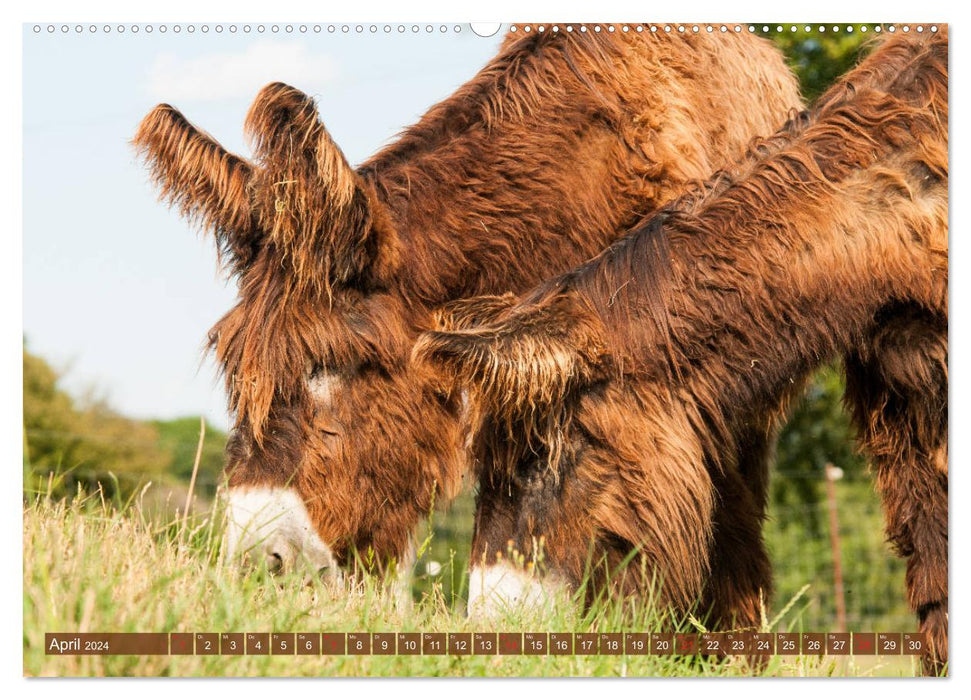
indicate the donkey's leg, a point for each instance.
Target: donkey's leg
{"x":897,"y":388}
{"x":740,"y":582}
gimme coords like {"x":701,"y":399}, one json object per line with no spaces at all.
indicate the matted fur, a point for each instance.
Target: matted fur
{"x":561,"y":141}
{"x":677,"y":348}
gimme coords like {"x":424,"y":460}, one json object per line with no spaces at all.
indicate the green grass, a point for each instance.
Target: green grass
{"x":92,"y":566}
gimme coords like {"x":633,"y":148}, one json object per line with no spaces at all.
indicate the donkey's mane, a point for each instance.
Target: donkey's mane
{"x":511,"y":86}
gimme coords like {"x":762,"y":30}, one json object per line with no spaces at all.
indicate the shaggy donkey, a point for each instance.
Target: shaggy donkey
{"x":616,"y":403}
{"x":527,"y":170}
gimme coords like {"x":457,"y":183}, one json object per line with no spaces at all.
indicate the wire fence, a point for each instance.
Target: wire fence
{"x":872,"y":577}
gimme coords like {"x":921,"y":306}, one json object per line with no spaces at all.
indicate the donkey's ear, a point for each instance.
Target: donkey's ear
{"x":208,"y":184}
{"x":316,"y":208}
{"x":469,"y":313}
{"x":529,"y":358}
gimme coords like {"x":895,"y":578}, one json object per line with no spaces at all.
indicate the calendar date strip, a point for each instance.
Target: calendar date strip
{"x":482,"y":643}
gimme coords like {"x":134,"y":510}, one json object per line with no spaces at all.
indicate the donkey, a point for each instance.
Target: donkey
{"x":563,"y":139}
{"x":614,"y":403}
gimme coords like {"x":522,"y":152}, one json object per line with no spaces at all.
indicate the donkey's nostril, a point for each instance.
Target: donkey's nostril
{"x":274,"y":562}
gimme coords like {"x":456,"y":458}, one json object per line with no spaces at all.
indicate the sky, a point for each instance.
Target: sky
{"x":119,"y":292}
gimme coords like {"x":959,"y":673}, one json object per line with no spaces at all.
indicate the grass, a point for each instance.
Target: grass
{"x":97,"y":566}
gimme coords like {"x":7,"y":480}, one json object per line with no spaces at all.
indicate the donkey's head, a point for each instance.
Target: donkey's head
{"x":315,"y":350}
{"x":577,"y":448}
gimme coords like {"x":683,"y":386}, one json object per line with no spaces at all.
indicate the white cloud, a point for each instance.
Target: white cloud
{"x":228,"y":75}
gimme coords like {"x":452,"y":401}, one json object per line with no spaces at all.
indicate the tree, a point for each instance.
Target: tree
{"x":82,"y":442}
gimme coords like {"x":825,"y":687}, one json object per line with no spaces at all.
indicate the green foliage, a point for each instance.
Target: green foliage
{"x":179,"y":437}
{"x":819,"y":58}
{"x":444,"y":560}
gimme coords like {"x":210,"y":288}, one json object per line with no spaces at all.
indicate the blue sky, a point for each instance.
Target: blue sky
{"x":118,"y":290}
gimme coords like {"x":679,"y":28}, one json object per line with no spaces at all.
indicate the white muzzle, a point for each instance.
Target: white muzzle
{"x":271,"y":527}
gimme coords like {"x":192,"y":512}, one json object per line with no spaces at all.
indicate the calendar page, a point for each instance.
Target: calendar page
{"x":422,"y":349}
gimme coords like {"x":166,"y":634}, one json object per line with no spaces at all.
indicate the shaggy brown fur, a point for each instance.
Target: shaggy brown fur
{"x":531,"y":167}
{"x":617,"y":403}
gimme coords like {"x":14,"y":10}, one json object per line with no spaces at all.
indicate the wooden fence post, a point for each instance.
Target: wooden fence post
{"x":832,"y":474}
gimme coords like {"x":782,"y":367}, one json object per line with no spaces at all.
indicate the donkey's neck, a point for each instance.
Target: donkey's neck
{"x":486,"y":223}
{"x":534,"y":166}
{"x":769,"y":287}
{"x":479,"y":191}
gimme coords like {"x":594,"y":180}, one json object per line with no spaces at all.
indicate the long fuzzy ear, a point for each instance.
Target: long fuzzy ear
{"x":208,"y":184}
{"x":521,"y":364}
{"x":315,"y":207}
{"x":477,"y":311}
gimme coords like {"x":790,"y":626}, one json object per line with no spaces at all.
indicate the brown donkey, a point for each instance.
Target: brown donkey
{"x":615,"y":404}
{"x":527,"y":170}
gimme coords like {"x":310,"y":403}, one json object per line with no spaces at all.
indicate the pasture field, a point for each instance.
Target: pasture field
{"x":96,"y":566}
